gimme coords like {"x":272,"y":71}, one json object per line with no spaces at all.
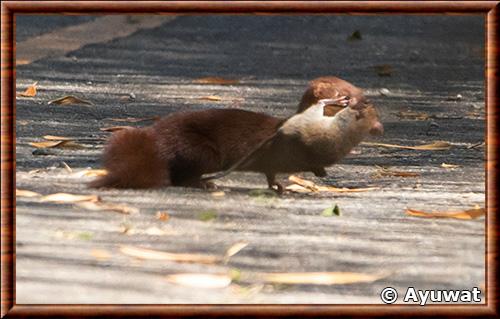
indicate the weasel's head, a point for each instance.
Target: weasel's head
{"x":328,"y":87}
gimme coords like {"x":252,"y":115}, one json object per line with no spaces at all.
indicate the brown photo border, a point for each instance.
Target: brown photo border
{"x":489,"y":9}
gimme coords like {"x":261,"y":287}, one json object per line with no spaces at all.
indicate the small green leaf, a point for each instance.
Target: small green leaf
{"x":330,"y":211}
{"x":208,"y":215}
{"x":235,"y":274}
{"x":85,"y":235}
{"x":263,"y":193}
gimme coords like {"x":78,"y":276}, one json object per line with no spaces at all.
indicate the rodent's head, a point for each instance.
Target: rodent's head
{"x":367,"y":119}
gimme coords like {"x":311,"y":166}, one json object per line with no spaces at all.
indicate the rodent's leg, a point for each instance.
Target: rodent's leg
{"x":319,"y":171}
{"x":271,"y":181}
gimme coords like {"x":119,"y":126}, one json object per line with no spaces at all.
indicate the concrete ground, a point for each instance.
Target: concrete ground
{"x":407,"y":64}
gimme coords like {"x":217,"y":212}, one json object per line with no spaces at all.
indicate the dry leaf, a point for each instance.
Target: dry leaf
{"x":163,"y":216}
{"x":414,"y":115}
{"x":384,"y":69}
{"x":69,"y":198}
{"x":22,"y":61}
{"x":144,"y":253}
{"x":30,"y":91}
{"x":67,"y":168}
{"x":467,"y":214}
{"x":212,"y":281}
{"x":52,"y":144}
{"x":234,"y":249}
{"x":133,"y":119}
{"x":100,"y":254}
{"x":90,"y":173}
{"x":47,"y":144}
{"x":312,"y":187}
{"x":320,"y":278}
{"x":69,"y":99}
{"x":95,"y":172}
{"x":298,"y":189}
{"x":218,"y":194}
{"x":26,"y":193}
{"x":103,"y":206}
{"x":444,"y":165}
{"x":389,"y":172}
{"x":436,"y":146}
{"x":57,"y":138}
{"x":356,"y":35}
{"x":211,"y":98}
{"x":116,"y":128}
{"x":215,"y":80}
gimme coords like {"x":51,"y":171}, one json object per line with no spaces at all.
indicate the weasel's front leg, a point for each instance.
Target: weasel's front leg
{"x":271,"y":181}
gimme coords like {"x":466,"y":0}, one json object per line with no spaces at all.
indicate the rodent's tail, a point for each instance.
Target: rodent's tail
{"x":133,"y":160}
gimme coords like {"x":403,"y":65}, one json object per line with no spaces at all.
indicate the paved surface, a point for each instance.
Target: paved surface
{"x":69,"y":255}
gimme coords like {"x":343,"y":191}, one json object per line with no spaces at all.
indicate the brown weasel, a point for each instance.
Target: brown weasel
{"x":178,"y":149}
{"x":328,"y":87}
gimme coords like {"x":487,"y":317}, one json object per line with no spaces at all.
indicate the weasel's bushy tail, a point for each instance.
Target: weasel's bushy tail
{"x":132,"y":159}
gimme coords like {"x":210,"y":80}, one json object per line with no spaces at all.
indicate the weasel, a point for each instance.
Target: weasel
{"x":178,"y":149}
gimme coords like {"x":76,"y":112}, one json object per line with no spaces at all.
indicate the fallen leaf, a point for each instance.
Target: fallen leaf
{"x":53,"y":144}
{"x":95,"y":172}
{"x":234,"y":249}
{"x":69,"y":99}
{"x":389,"y":172}
{"x":30,"y":91}
{"x":312,"y":187}
{"x":103,"y":206}
{"x":218,"y":194}
{"x":69,"y":198}
{"x":163,"y":216}
{"x":356,"y":35}
{"x":480,"y":144}
{"x":414,"y":115}
{"x":466,"y":214}
{"x":57,"y":138}
{"x":331,"y":211}
{"x":215,"y":80}
{"x":133,"y":119}
{"x":116,"y":128}
{"x":67,"y":168}
{"x":22,"y":62}
{"x":26,"y":193}
{"x":100,"y":254}
{"x":150,"y":254}
{"x":436,"y":146}
{"x":210,"y":281}
{"x":298,"y":189}
{"x":444,"y":165}
{"x":211,"y":98}
{"x":207,"y":216}
{"x":320,"y":278}
{"x":384,"y":70}
{"x":47,"y":144}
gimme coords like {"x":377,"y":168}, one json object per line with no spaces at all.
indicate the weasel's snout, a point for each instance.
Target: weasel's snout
{"x":377,"y":129}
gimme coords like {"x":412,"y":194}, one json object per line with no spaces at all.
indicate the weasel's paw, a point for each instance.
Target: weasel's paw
{"x":279,"y":188}
{"x":210,"y":186}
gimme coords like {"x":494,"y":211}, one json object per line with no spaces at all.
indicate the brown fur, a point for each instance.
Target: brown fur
{"x":178,"y":149}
